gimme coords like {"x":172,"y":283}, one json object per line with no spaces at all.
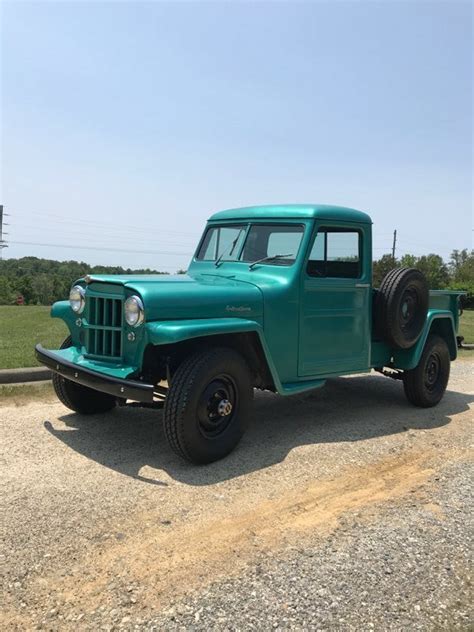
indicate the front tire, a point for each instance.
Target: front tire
{"x":425,"y":385}
{"x":78,"y":398}
{"x":208,"y":404}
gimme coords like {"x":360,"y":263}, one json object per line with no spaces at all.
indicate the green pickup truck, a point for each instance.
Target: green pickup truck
{"x":277,"y":298}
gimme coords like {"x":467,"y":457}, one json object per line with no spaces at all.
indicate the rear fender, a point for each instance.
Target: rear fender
{"x":440,"y":322}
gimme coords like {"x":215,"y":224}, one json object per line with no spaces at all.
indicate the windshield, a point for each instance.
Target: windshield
{"x":222,"y":242}
{"x":275,"y":244}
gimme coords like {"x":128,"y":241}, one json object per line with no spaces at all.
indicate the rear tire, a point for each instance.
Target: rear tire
{"x":207,"y":405}
{"x":78,"y":398}
{"x":401,"y":306}
{"x":425,"y":385}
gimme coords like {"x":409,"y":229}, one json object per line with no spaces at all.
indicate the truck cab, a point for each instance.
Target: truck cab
{"x":275,"y":297}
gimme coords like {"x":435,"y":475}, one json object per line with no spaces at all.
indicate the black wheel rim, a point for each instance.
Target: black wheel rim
{"x":217,"y":406}
{"x":409,"y":308}
{"x":432,"y":371}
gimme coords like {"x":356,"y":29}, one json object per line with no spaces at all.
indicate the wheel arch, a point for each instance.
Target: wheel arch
{"x":172,"y":344}
{"x":444,"y":327}
{"x":438,"y":322}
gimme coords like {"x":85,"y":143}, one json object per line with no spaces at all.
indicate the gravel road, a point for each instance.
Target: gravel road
{"x":344,"y":509}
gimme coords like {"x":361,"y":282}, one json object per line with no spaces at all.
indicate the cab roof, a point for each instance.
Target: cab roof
{"x":293,"y":211}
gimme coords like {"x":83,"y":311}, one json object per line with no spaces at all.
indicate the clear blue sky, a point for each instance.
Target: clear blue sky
{"x":126,"y":124}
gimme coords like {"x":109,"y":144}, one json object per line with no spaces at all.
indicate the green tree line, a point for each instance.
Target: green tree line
{"x":43,"y":281}
{"x":456,"y":274}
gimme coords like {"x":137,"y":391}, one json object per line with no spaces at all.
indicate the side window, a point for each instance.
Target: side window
{"x":336,"y":253}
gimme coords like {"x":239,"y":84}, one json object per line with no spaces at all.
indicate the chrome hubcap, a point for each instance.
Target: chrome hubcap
{"x":224,"y":407}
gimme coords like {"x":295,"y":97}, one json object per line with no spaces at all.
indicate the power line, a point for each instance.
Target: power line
{"x":120,"y":239}
{"x":110,"y":225}
{"x":101,"y":248}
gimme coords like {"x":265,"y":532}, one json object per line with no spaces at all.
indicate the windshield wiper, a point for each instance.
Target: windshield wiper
{"x":254,"y":263}
{"x":233,"y":244}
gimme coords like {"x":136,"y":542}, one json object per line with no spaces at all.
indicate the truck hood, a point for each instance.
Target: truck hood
{"x":182,"y":296}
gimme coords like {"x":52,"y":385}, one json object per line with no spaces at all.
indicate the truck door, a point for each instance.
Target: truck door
{"x":335,"y":307}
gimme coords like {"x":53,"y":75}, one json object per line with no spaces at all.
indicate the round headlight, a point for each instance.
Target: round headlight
{"x":134,"y":311}
{"x":77,"y":299}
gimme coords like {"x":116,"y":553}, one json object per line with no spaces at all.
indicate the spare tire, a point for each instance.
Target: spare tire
{"x":401,"y":305}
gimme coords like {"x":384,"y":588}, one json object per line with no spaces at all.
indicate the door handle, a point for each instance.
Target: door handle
{"x":362,"y":284}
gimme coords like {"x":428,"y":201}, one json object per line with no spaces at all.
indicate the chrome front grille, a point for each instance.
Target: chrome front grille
{"x":104,"y":332}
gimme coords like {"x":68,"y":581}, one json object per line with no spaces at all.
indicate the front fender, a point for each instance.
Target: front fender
{"x":440,"y":322}
{"x":174,"y":331}
{"x":62,"y":310}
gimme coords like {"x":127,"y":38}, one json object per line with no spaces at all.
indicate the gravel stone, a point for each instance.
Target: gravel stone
{"x":101,"y":522}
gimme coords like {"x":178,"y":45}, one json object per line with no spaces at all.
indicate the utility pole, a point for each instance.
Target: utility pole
{"x":3,"y":243}
{"x":394,"y":243}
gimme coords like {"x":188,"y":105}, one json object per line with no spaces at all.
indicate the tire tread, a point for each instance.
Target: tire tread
{"x":178,"y":398}
{"x":412,"y":380}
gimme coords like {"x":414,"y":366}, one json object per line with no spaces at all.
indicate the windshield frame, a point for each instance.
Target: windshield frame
{"x":248,"y":226}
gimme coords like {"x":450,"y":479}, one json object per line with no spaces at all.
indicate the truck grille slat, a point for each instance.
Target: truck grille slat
{"x":104,"y":333}
{"x":112,"y":350}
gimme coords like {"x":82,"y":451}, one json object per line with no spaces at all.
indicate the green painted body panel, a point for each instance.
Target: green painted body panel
{"x":439,"y":322}
{"x":62,"y":310}
{"x":291,"y":212}
{"x":409,"y":358}
{"x":309,"y":328}
{"x":170,"y":332}
{"x":335,"y":331}
{"x":173,"y":331}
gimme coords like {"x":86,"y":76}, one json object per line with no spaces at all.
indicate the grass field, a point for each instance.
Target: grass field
{"x":21,"y":327}
{"x":466,"y":327}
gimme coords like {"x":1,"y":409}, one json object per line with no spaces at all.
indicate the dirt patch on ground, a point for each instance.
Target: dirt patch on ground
{"x":163,"y":561}
{"x":21,"y":394}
